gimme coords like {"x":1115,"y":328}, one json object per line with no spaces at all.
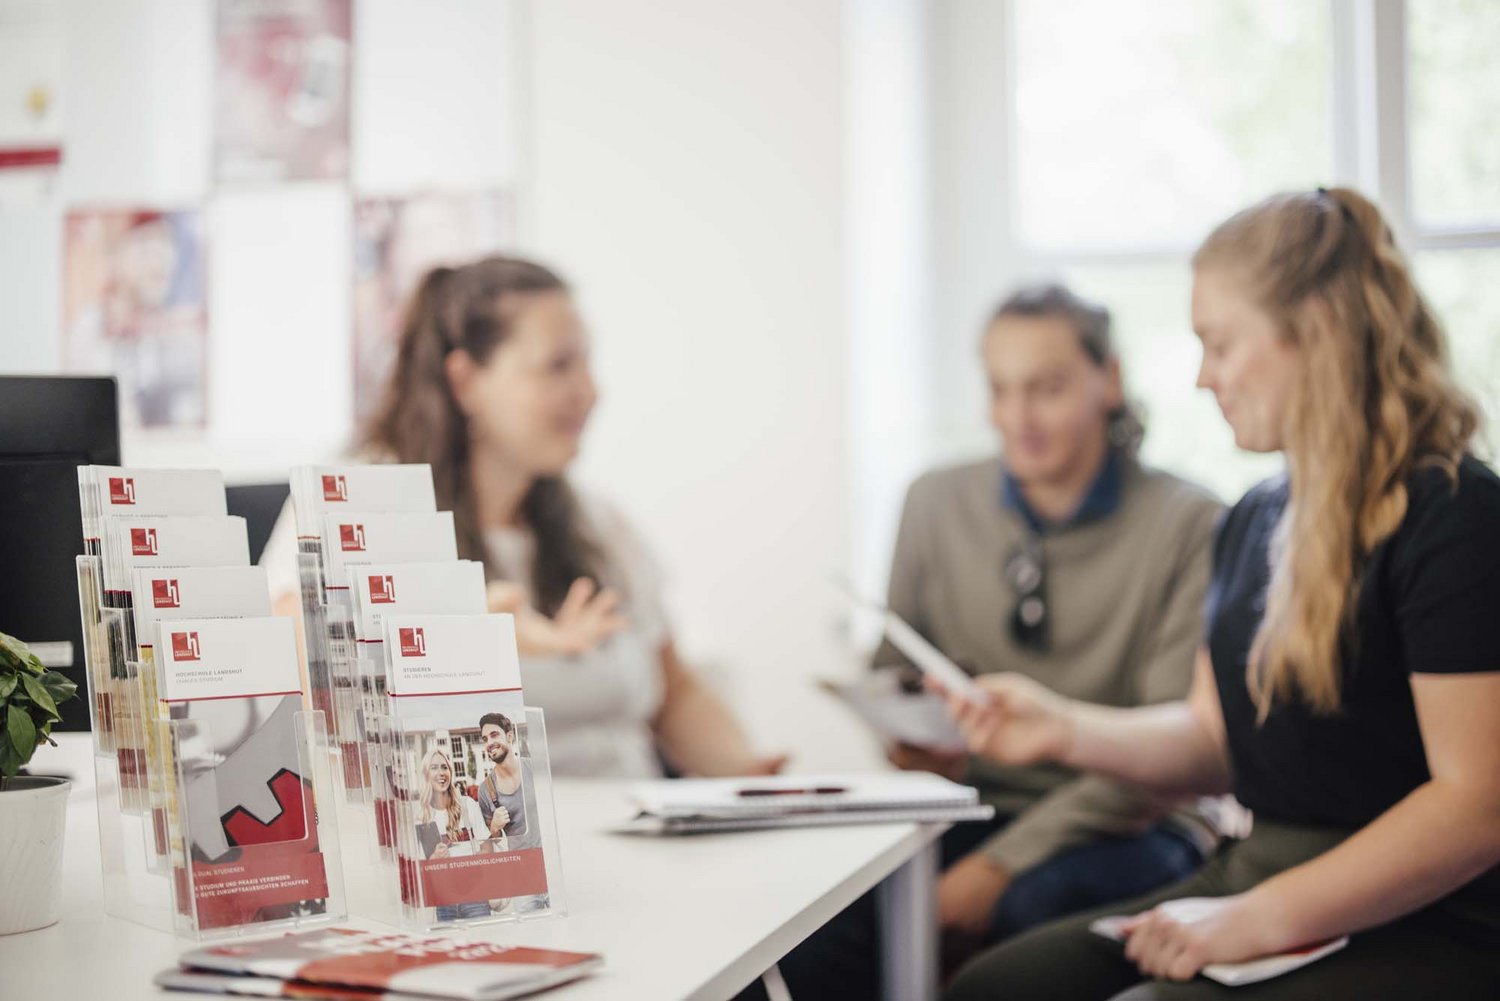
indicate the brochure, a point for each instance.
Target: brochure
{"x":691,"y":806}
{"x":167,"y":594}
{"x":319,"y":490}
{"x":917,"y":718}
{"x":117,"y":490}
{"x":131,"y":543}
{"x":352,"y":540}
{"x":379,"y":590}
{"x":387,"y":965}
{"x":458,"y":778}
{"x":245,"y":815}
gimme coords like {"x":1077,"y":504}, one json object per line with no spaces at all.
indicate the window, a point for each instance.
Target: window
{"x":1141,"y":125}
{"x":1134,"y":128}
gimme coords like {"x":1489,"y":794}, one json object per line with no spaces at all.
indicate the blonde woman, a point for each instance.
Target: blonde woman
{"x":1348,"y":690}
{"x":450,"y":823}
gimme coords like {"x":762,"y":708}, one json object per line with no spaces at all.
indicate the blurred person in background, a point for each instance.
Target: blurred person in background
{"x":492,"y":387}
{"x":1066,"y":560}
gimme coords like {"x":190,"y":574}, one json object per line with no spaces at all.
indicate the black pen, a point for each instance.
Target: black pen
{"x":818,"y":791}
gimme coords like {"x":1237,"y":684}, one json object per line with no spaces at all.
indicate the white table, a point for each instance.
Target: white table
{"x":698,"y":917}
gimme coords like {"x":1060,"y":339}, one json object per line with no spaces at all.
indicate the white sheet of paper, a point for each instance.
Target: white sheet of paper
{"x":917,"y":718}
{"x":1230,"y":974}
{"x":928,"y":659}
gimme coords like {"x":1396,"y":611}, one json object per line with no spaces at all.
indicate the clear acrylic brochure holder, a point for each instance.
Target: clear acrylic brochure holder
{"x":206,"y":830}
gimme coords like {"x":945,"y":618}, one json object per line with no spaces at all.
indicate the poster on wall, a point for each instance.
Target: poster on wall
{"x":134,"y":307}
{"x":31,"y":60}
{"x":396,"y":242}
{"x":281,"y":104}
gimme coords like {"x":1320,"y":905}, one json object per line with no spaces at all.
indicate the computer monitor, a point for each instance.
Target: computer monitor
{"x":49,"y":426}
{"x":260,"y":505}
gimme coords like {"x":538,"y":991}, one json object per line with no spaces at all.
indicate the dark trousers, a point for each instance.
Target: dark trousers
{"x":1433,"y":954}
{"x":841,"y":960}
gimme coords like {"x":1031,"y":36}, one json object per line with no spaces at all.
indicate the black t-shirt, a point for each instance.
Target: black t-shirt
{"x":1429,"y":603}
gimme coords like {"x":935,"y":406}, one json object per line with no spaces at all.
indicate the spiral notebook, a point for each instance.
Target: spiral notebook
{"x":688,"y":806}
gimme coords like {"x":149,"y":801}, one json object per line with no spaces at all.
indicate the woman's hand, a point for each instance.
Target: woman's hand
{"x":1021,"y":723}
{"x":587,"y":617}
{"x":1219,"y":930}
{"x":441,"y":851}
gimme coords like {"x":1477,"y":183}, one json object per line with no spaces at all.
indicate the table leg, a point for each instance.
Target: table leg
{"x":908,"y":929}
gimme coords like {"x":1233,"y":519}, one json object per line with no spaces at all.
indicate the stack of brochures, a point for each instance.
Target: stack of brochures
{"x":437,"y":747}
{"x":343,"y":963}
{"x":692,"y":806}
{"x":206,"y":762}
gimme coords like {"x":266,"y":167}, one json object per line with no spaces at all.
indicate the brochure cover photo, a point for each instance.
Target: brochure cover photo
{"x":467,"y":824}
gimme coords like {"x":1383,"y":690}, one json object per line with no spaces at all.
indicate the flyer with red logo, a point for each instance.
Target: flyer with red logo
{"x":179,"y":541}
{"x":161,"y":593}
{"x":360,"y":539}
{"x":244,"y":820}
{"x":318,"y":490}
{"x":452,"y":587}
{"x":378,"y":962}
{"x":119,"y":490}
{"x":466,"y":823}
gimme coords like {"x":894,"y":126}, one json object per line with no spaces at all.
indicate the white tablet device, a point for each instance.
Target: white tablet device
{"x":931,"y":661}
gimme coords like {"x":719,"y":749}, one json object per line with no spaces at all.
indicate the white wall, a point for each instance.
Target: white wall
{"x":436,"y":103}
{"x":688,"y":162}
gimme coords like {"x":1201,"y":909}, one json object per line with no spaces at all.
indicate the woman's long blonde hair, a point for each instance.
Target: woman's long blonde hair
{"x":1375,"y":401}
{"x":455,"y":814}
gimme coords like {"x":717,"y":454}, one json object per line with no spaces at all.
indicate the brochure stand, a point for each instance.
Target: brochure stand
{"x":173,"y":857}
{"x":358,"y":491}
{"x":444,"y":880}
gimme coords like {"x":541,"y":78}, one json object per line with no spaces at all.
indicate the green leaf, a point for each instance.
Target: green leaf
{"x":59,"y":686}
{"x":22,"y":732}
{"x":40,"y":695}
{"x":10,"y":761}
{"x":34,"y":665}
{"x":8,"y":684}
{"x":12,"y":649}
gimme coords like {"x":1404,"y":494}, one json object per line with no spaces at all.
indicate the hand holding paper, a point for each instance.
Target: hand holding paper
{"x":1220,"y":937}
{"x":1020,"y":722}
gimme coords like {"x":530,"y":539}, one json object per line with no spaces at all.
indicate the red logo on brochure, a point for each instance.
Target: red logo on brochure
{"x":164,"y":594}
{"x":121,"y":490}
{"x":352,"y":538}
{"x":143,"y":542}
{"x":413,"y":642}
{"x":335,"y":489}
{"x":185,"y":647}
{"x":382,"y":589}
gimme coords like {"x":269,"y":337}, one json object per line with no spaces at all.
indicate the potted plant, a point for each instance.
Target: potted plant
{"x":32,"y":807}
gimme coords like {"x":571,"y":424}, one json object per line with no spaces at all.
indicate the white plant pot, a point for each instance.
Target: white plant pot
{"x":33,"y":810}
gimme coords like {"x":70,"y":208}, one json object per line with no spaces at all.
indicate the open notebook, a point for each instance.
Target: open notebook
{"x":685,"y":806}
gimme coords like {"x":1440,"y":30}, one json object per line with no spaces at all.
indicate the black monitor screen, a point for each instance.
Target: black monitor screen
{"x":49,"y":426}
